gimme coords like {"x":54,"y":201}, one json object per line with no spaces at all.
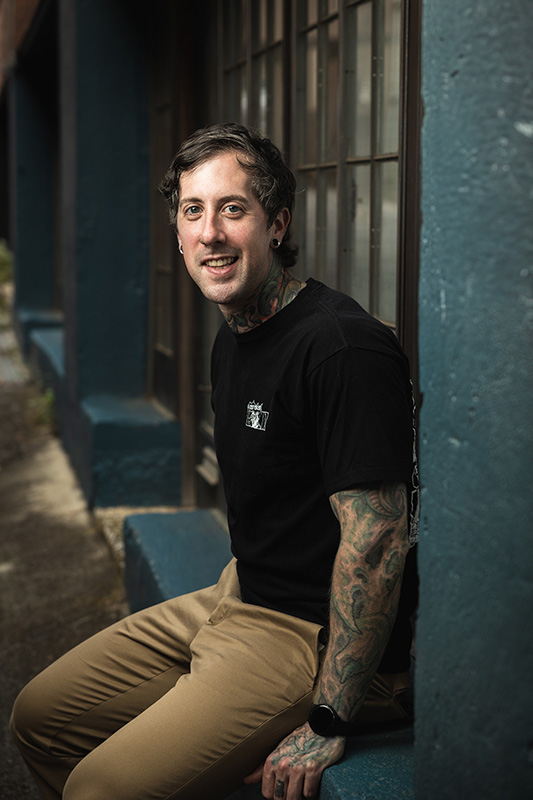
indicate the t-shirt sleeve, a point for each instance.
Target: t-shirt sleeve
{"x":362,"y":410}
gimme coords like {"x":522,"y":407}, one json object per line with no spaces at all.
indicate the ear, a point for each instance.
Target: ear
{"x":281,"y":223}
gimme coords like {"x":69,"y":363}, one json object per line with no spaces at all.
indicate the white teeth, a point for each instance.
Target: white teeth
{"x":219,"y":262}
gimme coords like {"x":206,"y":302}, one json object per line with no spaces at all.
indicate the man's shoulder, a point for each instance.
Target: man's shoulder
{"x":338,"y":305}
{"x":353,"y":325}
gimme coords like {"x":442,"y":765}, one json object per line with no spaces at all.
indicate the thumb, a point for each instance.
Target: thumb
{"x":255,"y":776}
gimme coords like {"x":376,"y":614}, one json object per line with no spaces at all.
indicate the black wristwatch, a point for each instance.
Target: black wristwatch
{"x":325,"y":721}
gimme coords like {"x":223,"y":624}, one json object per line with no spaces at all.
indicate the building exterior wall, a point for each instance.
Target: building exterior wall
{"x":105,"y":197}
{"x":33,"y":223}
{"x":475,"y":658}
{"x":474,"y":644}
{"x":80,"y":218}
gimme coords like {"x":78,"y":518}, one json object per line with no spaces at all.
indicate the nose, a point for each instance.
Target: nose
{"x":212,"y":230}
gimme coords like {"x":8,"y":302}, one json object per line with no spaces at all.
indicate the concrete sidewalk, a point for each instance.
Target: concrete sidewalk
{"x":59,"y":579}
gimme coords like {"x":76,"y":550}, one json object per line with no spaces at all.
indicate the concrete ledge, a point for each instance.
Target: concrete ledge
{"x":377,"y":765}
{"x":125,"y":451}
{"x":26,"y":320}
{"x":46,"y":353}
{"x":172,"y":554}
{"x":47,"y":365}
{"x":135,"y":453}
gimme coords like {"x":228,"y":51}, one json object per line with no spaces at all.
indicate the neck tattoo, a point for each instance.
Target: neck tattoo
{"x":278,"y":290}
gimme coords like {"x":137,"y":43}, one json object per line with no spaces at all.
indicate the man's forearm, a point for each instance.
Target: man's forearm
{"x":364,"y":591}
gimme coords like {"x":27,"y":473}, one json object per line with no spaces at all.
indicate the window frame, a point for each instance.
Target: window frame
{"x":405,"y":156}
{"x":194,"y":108}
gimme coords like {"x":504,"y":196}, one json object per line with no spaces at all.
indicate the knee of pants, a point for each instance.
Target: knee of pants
{"x":28,"y":717}
{"x":93,"y":780}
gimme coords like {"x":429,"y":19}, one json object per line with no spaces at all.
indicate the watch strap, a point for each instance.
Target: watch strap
{"x":325,"y":721}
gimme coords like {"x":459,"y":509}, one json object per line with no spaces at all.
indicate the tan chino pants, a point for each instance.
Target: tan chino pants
{"x":181,"y":700}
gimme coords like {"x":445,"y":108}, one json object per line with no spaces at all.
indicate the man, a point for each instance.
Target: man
{"x":260,"y":676}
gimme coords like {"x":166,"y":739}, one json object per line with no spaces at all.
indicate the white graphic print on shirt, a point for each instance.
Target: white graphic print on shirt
{"x":255,"y":416}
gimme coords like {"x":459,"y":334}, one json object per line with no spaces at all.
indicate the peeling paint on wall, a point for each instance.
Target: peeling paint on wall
{"x":476,"y":446}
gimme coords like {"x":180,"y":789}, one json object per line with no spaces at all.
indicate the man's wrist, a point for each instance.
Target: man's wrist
{"x":324,"y":720}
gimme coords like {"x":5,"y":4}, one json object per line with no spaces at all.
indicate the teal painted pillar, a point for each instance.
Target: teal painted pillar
{"x":474,"y":695}
{"x":33,"y":201}
{"x":104,"y":129}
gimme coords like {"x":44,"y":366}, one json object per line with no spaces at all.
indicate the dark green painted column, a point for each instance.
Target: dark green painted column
{"x":105,"y":196}
{"x":474,"y":696}
{"x":33,"y":199}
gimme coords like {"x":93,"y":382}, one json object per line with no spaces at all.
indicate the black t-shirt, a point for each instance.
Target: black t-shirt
{"x":314,"y":400}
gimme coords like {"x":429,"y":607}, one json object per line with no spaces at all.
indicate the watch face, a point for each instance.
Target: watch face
{"x":322,"y":719}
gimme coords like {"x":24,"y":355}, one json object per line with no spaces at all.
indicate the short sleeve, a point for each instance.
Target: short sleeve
{"x":362,"y":409}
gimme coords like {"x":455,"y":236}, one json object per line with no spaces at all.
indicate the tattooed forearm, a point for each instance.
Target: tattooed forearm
{"x":364,"y":591}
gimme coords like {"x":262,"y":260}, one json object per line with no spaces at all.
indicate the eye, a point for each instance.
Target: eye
{"x":233,"y":210}
{"x":192,"y":211}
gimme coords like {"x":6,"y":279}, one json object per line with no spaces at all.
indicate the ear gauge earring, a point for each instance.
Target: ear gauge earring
{"x":180,"y":248}
{"x":275,"y":243}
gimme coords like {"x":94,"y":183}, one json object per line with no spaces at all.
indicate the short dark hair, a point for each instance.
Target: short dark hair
{"x":273,"y":183}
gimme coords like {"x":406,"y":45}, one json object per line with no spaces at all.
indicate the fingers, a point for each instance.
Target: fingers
{"x":294,"y":770}
{"x":313,"y":776}
{"x":289,"y":781}
{"x":255,"y":776}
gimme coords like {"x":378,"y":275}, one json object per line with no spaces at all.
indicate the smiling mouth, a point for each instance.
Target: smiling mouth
{"x":218,"y":263}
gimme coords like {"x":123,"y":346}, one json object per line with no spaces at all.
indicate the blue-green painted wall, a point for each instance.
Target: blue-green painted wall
{"x":33,"y":220}
{"x":105,"y":195}
{"x":474,"y":731}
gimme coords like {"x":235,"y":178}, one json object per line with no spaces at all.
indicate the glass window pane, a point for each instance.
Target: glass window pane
{"x":386,"y":241}
{"x":234,"y":31}
{"x":355,"y":278}
{"x":236,"y":95}
{"x":164,"y":305}
{"x":312,"y":12}
{"x":326,"y":227}
{"x":267,"y":80}
{"x":331,"y":227}
{"x":358,"y":91}
{"x":275,"y":104}
{"x":333,"y":6}
{"x":389,"y":78}
{"x":277,"y":32}
{"x":259,"y":23}
{"x":306,"y":218}
{"x":260,"y":93}
{"x":210,"y":321}
{"x":243,"y":96}
{"x":331,"y":88}
{"x":310,"y":126}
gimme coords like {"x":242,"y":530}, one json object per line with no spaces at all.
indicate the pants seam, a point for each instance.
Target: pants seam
{"x":49,"y":749}
{"x":238,"y":744}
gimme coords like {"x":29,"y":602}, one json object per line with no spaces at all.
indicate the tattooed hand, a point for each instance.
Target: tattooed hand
{"x":295,"y":767}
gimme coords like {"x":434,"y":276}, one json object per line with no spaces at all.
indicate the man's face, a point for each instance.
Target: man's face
{"x":222,"y":229}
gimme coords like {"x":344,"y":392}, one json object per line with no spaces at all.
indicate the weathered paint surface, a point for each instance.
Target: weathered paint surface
{"x":474,"y":735}
{"x":32,"y":206}
{"x":105,"y":196}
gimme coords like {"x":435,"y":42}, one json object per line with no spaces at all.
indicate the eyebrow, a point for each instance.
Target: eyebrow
{"x":239,"y":198}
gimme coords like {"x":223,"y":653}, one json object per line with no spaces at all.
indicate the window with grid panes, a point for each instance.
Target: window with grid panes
{"x":162,"y":362}
{"x":346,"y":145}
{"x":252,"y":90}
{"x":323,"y":79}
